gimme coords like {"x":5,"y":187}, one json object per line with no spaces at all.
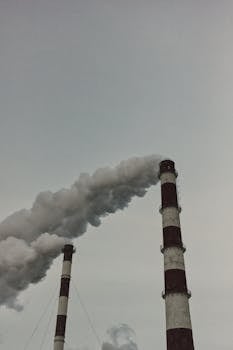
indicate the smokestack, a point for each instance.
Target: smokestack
{"x":59,"y":338}
{"x":176,"y":295}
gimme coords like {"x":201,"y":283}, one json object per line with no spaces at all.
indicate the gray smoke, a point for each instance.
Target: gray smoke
{"x":31,"y":239}
{"x":121,"y":337}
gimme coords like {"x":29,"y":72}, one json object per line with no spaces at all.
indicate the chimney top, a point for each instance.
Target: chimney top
{"x":167,"y":165}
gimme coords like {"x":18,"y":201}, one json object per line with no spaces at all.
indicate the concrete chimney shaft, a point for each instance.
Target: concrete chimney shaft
{"x":59,"y":338}
{"x":176,"y":295}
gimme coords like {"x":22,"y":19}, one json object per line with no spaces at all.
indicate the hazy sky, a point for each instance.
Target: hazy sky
{"x":88,"y":83}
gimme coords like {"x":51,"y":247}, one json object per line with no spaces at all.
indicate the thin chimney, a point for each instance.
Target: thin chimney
{"x":59,"y":338}
{"x":176,"y":295}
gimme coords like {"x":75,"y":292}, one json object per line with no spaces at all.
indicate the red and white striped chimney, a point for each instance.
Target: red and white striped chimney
{"x":176,"y":295}
{"x":59,"y":338}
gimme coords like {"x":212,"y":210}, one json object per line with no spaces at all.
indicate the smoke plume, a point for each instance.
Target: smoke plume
{"x":121,"y":337}
{"x":31,"y":239}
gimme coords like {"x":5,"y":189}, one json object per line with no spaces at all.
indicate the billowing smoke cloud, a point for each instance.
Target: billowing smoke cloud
{"x":31,"y":239}
{"x":121,"y":337}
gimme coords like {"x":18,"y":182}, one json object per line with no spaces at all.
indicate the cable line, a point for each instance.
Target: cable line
{"x":87,"y":314}
{"x":39,"y":321}
{"x":48,"y":324}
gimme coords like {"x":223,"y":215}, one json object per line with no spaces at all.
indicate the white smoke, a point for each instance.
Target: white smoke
{"x":121,"y":337}
{"x":31,"y":239}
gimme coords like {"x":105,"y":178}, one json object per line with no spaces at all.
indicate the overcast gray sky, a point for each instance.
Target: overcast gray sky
{"x":87,"y":83}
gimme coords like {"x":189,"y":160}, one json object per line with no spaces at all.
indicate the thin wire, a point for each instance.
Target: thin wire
{"x":40,"y":319}
{"x":66,"y":343}
{"x":48,"y":324}
{"x":87,"y":314}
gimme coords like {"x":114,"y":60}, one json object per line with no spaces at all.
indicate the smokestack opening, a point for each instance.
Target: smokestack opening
{"x":166,"y":166}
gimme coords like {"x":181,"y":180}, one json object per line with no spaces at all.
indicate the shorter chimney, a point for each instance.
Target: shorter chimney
{"x":59,"y":338}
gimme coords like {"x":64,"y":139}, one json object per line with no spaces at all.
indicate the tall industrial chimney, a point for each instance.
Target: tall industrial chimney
{"x":59,"y":338}
{"x":176,"y":295}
